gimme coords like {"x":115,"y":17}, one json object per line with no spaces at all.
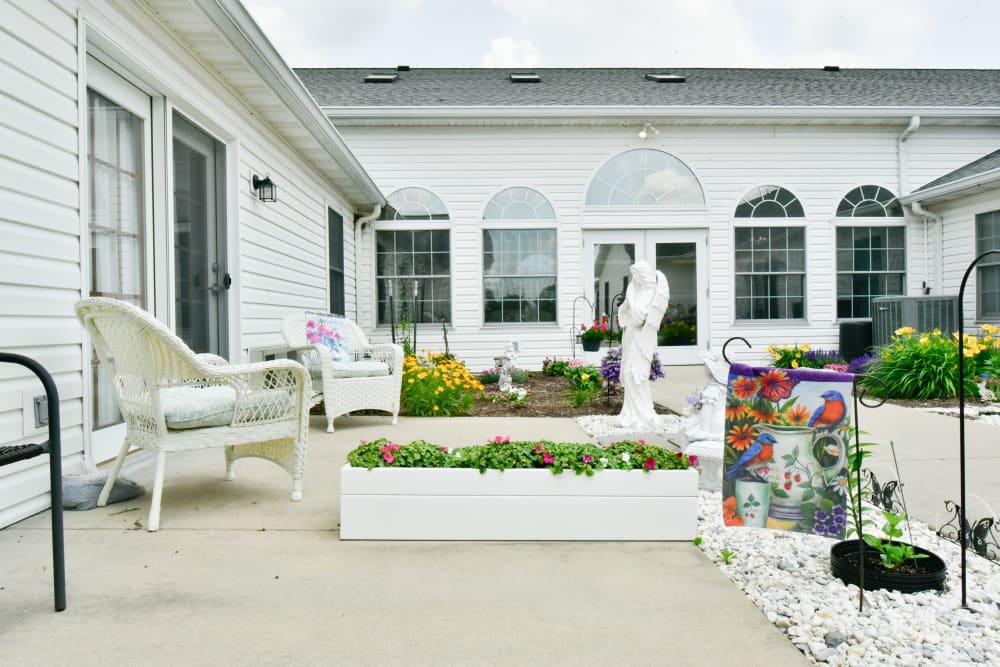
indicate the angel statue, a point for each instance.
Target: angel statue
{"x":639,"y":316}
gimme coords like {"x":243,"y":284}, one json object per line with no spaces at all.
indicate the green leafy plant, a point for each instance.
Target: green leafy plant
{"x":554,"y":367}
{"x":677,"y":333}
{"x":584,"y":384}
{"x":727,"y":555}
{"x":435,"y":385}
{"x":697,"y":541}
{"x":918,"y":365}
{"x":501,"y":453}
{"x":892,"y":552}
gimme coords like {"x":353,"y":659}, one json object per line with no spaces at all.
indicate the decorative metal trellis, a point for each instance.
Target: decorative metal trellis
{"x":982,"y":535}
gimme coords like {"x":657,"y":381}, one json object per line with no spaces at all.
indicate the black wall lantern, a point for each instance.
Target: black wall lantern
{"x":265,"y":188}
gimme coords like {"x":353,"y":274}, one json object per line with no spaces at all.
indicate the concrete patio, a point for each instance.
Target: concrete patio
{"x":240,"y":575}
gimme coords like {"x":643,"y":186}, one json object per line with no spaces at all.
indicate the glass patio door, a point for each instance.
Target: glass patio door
{"x":678,"y":254}
{"x":118,"y":213}
{"x":201,"y":278}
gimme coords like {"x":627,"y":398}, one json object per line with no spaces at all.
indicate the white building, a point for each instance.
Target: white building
{"x":770,"y":198}
{"x":778,"y":202}
{"x":129,"y":139}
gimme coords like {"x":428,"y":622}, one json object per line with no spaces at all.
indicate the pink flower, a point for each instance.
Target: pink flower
{"x":587,"y":458}
{"x":364,"y":442}
{"x":548,"y":458}
{"x":641,"y":442}
{"x":444,"y":449}
{"x":500,"y":438}
{"x":693,"y":459}
{"x":537,"y":449}
{"x":389,"y":458}
{"x":649,"y":464}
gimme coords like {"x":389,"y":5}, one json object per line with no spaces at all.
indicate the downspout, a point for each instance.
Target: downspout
{"x":904,"y":189}
{"x":359,"y":225}
{"x":928,"y":217}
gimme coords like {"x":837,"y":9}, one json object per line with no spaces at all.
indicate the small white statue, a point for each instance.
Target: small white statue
{"x":639,"y":315}
{"x":708,"y":421}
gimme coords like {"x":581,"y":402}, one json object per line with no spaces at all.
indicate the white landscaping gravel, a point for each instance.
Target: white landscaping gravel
{"x":787,"y":576}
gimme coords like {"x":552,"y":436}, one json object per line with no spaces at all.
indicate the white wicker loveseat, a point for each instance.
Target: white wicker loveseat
{"x":370,"y":378}
{"x":174,"y":400}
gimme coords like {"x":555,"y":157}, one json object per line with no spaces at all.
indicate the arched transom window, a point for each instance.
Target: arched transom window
{"x":769,"y":201}
{"x":519,"y":204}
{"x":414,"y":204}
{"x":644,"y":177}
{"x":869,"y":201}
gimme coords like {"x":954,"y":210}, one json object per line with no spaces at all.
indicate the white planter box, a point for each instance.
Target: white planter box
{"x":464,"y":504}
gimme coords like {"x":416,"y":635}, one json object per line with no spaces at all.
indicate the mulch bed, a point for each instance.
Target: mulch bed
{"x":548,"y":396}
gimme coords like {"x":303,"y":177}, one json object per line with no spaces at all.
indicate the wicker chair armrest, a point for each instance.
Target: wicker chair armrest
{"x":389,"y":353}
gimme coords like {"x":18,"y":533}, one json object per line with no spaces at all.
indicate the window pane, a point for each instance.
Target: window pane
{"x":407,"y":268}
{"x":770,"y":280}
{"x":520,"y":285}
{"x":876,"y":265}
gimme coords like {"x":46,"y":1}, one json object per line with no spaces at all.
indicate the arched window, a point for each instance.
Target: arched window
{"x":871,"y":259}
{"x":414,"y":204}
{"x":519,"y":204}
{"x":644,"y":177}
{"x":769,"y":201}
{"x":869,"y":201}
{"x":413,"y":261}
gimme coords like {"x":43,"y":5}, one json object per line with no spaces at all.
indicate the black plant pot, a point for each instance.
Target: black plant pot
{"x":590,"y":345}
{"x":929,"y":572}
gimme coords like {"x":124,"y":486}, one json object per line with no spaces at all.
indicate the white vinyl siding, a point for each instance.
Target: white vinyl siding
{"x":467,"y":165}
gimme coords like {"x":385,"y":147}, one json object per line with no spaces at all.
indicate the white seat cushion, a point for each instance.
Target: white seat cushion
{"x":359,"y":369}
{"x":197,"y":407}
{"x":203,"y":407}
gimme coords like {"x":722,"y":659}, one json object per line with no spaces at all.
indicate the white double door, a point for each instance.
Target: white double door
{"x":681,"y":255}
{"x":135,"y":229}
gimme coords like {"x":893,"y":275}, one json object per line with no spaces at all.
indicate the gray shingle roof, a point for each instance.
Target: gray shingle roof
{"x":986,"y":163}
{"x":907,"y":88}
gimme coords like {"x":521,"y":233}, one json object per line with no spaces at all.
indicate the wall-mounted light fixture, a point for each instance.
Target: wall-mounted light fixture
{"x":265,"y":188}
{"x":648,"y":130}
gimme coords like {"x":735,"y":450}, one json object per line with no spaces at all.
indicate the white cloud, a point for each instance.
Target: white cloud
{"x":636,"y":33}
{"x":510,"y":52}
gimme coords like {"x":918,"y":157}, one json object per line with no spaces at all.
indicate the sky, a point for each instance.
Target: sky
{"x":633,"y":33}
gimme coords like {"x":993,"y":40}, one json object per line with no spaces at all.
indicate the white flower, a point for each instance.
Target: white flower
{"x":625,"y":457}
{"x":603,"y":460}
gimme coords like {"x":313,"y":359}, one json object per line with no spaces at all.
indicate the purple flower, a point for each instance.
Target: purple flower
{"x":587,"y":458}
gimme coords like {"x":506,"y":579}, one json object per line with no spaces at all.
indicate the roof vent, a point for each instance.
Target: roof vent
{"x":381,"y":78}
{"x":524,"y":77}
{"x":831,"y":68}
{"x":665,"y":78}
{"x":402,"y":68}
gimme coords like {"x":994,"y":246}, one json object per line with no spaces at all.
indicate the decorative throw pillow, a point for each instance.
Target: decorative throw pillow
{"x":328,"y":330}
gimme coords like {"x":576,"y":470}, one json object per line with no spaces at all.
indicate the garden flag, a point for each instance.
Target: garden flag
{"x":785,"y":459}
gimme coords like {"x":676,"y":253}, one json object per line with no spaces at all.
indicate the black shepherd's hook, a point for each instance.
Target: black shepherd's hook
{"x":961,"y":408}
{"x":859,"y":390}
{"x":726,"y":344}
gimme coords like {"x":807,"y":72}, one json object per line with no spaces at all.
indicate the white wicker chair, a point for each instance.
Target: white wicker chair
{"x":337,"y":384}
{"x":174,"y":400}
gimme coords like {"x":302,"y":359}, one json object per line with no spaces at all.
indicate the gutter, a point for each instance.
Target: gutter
{"x":928,"y":218}
{"x":988,"y":115}
{"x":901,"y":153}
{"x":989,"y":178}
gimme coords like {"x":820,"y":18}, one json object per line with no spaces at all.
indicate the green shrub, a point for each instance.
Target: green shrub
{"x":554,"y":367}
{"x":925,"y":365}
{"x":437,"y":386}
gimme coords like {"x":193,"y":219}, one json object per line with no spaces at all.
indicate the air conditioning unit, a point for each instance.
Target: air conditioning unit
{"x":923,"y":313}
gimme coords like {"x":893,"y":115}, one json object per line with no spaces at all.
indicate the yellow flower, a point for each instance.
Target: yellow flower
{"x":585,"y":377}
{"x":410,"y":381}
{"x":925,"y":340}
{"x":795,"y":364}
{"x":436,"y":408}
{"x":904,"y":331}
